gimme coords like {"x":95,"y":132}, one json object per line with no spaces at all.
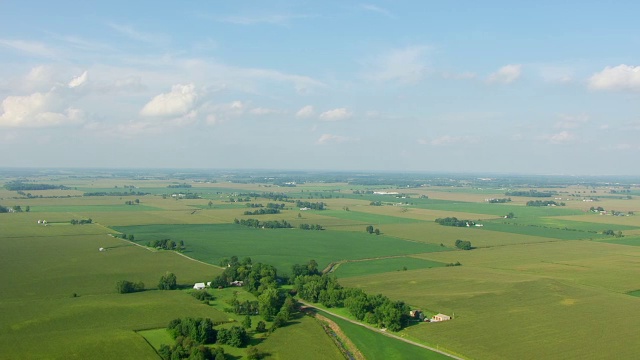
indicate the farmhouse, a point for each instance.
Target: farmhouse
{"x":440,"y":317}
{"x":199,"y":286}
{"x":237,"y":283}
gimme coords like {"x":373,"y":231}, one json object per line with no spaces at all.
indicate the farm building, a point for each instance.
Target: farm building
{"x":199,"y":286}
{"x":440,"y":317}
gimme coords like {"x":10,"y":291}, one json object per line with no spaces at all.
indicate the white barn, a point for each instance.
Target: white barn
{"x":199,"y":286}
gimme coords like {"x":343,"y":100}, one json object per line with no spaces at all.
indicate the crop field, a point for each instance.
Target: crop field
{"x":279,"y":247}
{"x":369,"y":267}
{"x":545,"y":284}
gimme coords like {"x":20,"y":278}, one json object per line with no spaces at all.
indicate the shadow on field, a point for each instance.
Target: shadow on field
{"x":117,"y":246}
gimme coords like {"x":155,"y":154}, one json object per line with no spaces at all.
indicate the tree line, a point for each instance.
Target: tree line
{"x":270,"y":224}
{"x":531,"y":193}
{"x":263,"y":211}
{"x":310,"y":205}
{"x":20,"y":185}
{"x":310,"y":227}
{"x":81,"y":221}
{"x":453,"y":221}
{"x":544,"y":203}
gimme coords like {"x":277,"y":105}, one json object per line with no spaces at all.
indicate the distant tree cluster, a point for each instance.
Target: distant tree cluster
{"x":310,"y":227}
{"x":235,"y":336}
{"x":544,"y":203}
{"x":457,"y":263}
{"x":81,"y":221}
{"x":376,"y":203}
{"x":271,"y":224}
{"x":531,"y":193}
{"x":254,"y":205}
{"x":4,"y":209}
{"x":310,"y":205}
{"x":15,"y":208}
{"x":167,"y":244}
{"x":499,"y":201}
{"x":373,"y":309}
{"x":116,"y":193}
{"x":203,"y":295}
{"x":263,"y":211}
{"x":275,"y":196}
{"x":125,"y":286}
{"x":610,"y":232}
{"x":463,"y":244}
{"x":453,"y":221}
{"x":369,"y":229}
{"x":363,"y":192}
{"x":129,"y":237}
{"x":179,"y":186}
{"x":132,"y":202}
{"x":21,"y":186}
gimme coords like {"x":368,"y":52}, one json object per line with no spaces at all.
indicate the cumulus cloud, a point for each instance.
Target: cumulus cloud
{"x":621,"y":77}
{"x":78,"y":80}
{"x":306,"y":112}
{"x":179,"y":101}
{"x":42,"y":108}
{"x":37,"y":110}
{"x":263,"y":111}
{"x":405,"y":65}
{"x":559,"y":138}
{"x":335,"y":114}
{"x":330,"y":138}
{"x":506,"y":74}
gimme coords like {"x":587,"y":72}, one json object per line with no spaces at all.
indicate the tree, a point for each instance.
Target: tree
{"x":463,"y":244}
{"x":28,"y":208}
{"x":269,"y":302}
{"x":261,"y":327}
{"x":369,"y":229}
{"x":253,"y":353}
{"x":510,"y":215}
{"x":168,"y":282}
{"x":125,"y":287}
{"x":137,"y":201}
{"x":377,"y":231}
{"x":210,"y":203}
{"x":131,"y":237}
{"x":246,"y":323}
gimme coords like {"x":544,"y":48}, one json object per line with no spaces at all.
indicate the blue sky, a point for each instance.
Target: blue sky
{"x":542,"y":87}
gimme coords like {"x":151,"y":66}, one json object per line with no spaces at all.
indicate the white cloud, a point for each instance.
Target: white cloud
{"x":621,"y":77}
{"x":449,"y":140}
{"x":130,"y":32}
{"x":559,"y":138}
{"x":335,"y":114}
{"x":271,"y":19}
{"x":306,"y":112}
{"x":78,"y":80}
{"x":376,"y":9}
{"x":30,"y":47}
{"x":263,"y":111}
{"x":405,"y":65}
{"x":571,"y":121}
{"x":37,"y":110}
{"x":179,"y":101}
{"x":506,"y":74}
{"x":329,"y":138}
{"x":459,"y":76}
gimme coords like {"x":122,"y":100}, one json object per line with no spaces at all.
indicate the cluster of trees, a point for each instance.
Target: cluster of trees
{"x":179,"y":186}
{"x":457,"y":263}
{"x":203,"y":295}
{"x":271,"y":224}
{"x":190,"y":336}
{"x":371,"y":230}
{"x":275,"y":196}
{"x":263,"y":211}
{"x":168,"y":281}
{"x":463,"y":244}
{"x":596,"y":209}
{"x":499,"y":201}
{"x":310,"y":227}
{"x":376,"y":203}
{"x":21,"y":186}
{"x":129,"y":237}
{"x":132,"y":202}
{"x":610,"y":232}
{"x":125,"y":286}
{"x":253,"y":205}
{"x":167,"y":244}
{"x":544,"y":203}
{"x":81,"y":221}
{"x":363,"y":192}
{"x":453,"y":221}
{"x":531,"y":193}
{"x":235,"y":336}
{"x":310,"y":268}
{"x":310,"y":205}
{"x":116,"y":193}
{"x":15,"y":208}
{"x":373,"y":309}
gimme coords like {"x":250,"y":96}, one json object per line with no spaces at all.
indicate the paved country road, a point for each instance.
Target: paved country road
{"x":381,"y":332}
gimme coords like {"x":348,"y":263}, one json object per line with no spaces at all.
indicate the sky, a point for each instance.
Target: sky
{"x":536,"y":87}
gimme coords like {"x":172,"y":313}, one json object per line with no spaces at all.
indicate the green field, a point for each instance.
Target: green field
{"x":369,"y":267}
{"x":377,"y":346}
{"x":279,"y":247}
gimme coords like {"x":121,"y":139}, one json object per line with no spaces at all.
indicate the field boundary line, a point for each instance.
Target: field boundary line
{"x":202,"y":262}
{"x":415,"y":343}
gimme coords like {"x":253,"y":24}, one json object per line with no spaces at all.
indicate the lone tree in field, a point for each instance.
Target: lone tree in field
{"x":463,"y":244}
{"x":168,"y":282}
{"x":369,"y":229}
